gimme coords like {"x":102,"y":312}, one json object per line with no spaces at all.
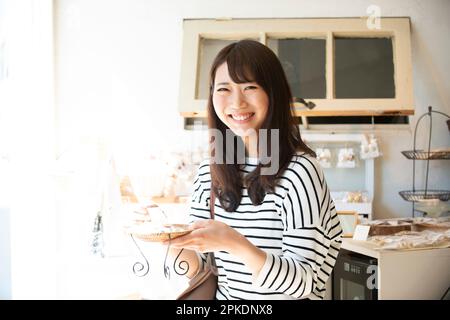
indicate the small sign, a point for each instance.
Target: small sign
{"x":348,"y":220}
{"x":361,"y":232}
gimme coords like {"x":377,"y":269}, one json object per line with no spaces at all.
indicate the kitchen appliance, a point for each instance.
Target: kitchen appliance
{"x":355,"y":277}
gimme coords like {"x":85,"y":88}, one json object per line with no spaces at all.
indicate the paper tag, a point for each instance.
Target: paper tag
{"x":361,"y":232}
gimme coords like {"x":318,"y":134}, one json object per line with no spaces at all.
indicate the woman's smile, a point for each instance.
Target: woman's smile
{"x":241,"y":118}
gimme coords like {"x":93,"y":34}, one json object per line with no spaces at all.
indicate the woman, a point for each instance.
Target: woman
{"x":275,"y":235}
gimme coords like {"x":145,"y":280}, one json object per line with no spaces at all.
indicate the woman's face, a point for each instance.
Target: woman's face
{"x":242,"y":107}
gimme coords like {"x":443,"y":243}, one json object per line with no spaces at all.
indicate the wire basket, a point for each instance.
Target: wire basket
{"x":418,"y":195}
{"x":425,"y":155}
{"x":430,"y":154}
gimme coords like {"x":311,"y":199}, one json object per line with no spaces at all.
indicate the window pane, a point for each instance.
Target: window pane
{"x":209,"y":48}
{"x":303,"y":61}
{"x":364,"y":68}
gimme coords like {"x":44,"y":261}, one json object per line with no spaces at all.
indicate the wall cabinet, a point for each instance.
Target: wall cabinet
{"x":345,"y":66}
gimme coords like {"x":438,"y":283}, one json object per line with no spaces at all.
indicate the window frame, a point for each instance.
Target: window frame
{"x":328,"y":28}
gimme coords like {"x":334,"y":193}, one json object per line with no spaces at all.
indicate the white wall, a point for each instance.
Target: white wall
{"x":118,"y":67}
{"x":26,"y":151}
{"x":5,"y":254}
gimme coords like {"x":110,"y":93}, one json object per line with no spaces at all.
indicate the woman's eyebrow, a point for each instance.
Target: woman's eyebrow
{"x":227,"y":83}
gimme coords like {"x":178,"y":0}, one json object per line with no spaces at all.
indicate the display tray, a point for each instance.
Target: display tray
{"x":387,"y":227}
{"x":438,"y":154}
{"x":381,"y":230}
{"x":436,"y":226}
{"x":418,"y":195}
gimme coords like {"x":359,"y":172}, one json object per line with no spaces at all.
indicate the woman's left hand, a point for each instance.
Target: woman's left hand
{"x":213,"y":236}
{"x":208,"y":236}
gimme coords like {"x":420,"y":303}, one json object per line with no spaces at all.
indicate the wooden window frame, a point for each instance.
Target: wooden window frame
{"x":354,"y":214}
{"x":325,"y":28}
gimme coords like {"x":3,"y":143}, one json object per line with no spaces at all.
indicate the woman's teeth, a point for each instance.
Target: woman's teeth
{"x":242,"y":117}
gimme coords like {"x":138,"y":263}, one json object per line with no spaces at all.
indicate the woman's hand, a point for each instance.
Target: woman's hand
{"x":213,"y":235}
{"x":209,"y":236}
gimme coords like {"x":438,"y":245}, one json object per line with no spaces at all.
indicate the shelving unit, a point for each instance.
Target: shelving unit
{"x":416,"y":195}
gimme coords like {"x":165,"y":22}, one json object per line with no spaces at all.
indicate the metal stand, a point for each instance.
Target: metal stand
{"x":425,"y":194}
{"x":141,"y":269}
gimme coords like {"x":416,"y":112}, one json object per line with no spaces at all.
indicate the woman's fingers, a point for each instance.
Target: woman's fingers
{"x":200,"y":224}
{"x":191,"y":239}
{"x":205,"y":235}
{"x":178,"y":242}
{"x":183,"y":243}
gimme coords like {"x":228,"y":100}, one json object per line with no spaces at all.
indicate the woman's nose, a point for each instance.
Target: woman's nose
{"x":238,"y":100}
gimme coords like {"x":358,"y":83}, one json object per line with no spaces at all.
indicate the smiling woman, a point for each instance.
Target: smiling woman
{"x":274,"y":236}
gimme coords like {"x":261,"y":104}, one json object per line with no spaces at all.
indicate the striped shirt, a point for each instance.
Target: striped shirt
{"x":296,"y":225}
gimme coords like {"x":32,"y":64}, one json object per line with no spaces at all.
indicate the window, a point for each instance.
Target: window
{"x":364,"y":68}
{"x":303,"y":61}
{"x":340,"y":65}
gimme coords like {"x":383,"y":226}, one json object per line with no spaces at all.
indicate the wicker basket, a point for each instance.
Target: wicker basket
{"x":437,"y":227}
{"x":163,"y":235}
{"x":159,"y":237}
{"x":383,"y":230}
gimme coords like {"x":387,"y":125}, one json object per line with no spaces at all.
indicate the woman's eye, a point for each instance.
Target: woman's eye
{"x":251,"y":87}
{"x":222,"y":89}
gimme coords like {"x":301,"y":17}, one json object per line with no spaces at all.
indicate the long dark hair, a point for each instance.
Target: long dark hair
{"x":249,"y":61}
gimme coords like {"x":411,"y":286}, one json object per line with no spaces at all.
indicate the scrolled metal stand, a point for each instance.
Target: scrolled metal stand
{"x":142,"y":269}
{"x":180,"y":265}
{"x":139,"y":269}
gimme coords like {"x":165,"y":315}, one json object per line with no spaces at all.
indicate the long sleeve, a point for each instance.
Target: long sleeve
{"x":200,"y":198}
{"x":311,"y":235}
{"x":201,"y":193}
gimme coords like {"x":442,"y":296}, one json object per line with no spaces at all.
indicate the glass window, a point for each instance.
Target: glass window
{"x":303,"y":61}
{"x":352,"y":291}
{"x":364,"y":68}
{"x":209,"y":48}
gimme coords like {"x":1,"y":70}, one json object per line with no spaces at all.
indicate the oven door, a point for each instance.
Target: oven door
{"x":354,"y":277}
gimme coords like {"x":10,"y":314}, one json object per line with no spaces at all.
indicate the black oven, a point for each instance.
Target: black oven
{"x":355,"y":277}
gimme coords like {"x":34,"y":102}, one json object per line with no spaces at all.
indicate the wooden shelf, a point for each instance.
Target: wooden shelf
{"x":324,"y":113}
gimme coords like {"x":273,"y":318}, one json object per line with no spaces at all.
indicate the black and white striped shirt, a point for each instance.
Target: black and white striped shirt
{"x":297,"y":226}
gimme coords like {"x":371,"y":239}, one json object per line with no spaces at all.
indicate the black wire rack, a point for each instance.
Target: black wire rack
{"x":419,"y":195}
{"x":416,"y":195}
{"x":427,"y":155}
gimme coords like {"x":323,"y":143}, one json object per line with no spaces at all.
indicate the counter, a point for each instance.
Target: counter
{"x":407,"y":274}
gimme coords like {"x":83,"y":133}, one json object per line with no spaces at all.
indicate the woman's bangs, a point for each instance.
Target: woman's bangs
{"x":241,"y":68}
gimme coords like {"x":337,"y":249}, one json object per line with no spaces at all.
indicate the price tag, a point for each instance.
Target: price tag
{"x":361,"y":232}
